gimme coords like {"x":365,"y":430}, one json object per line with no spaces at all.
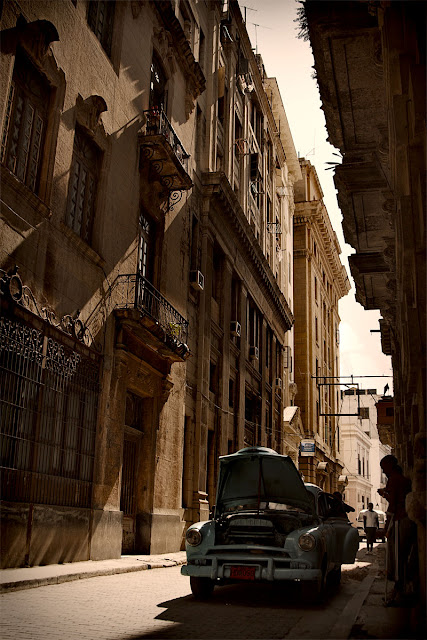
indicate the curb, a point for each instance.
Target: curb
{"x":19,"y":585}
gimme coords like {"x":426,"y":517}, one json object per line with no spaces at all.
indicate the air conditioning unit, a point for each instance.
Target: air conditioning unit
{"x":197,"y":280}
{"x":235,"y":328}
{"x":278,"y":383}
{"x":254,"y":353}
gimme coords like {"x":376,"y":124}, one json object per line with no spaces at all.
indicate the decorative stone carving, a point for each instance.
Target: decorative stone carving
{"x":163,"y":42}
{"x":88,"y":112}
{"x":190,"y":97}
{"x":36,"y":37}
{"x":167,"y":385}
{"x":136,"y":6}
{"x":146,"y":382}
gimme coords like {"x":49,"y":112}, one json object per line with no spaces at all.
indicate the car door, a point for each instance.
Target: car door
{"x":329,"y":534}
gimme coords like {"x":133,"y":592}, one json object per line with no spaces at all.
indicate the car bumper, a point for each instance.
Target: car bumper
{"x":269,"y":569}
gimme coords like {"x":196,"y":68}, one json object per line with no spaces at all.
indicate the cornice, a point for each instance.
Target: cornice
{"x":216,"y":186}
{"x":192,"y":71}
{"x":314,"y":213}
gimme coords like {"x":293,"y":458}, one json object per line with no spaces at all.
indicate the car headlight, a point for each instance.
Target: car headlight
{"x":307,"y":542}
{"x":193,"y":537}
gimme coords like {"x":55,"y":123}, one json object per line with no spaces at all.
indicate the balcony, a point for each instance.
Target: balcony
{"x":163,"y":151}
{"x":161,"y":326}
{"x":274,"y":227}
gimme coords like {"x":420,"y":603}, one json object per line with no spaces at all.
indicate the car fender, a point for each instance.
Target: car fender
{"x":350,"y":546}
{"x":207,"y":529}
{"x":294,"y":550}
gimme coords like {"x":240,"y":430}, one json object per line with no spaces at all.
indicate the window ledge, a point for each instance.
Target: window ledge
{"x":81,"y":245}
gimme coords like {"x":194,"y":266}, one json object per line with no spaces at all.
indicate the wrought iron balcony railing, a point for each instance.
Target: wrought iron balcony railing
{"x":158,"y":124}
{"x":135,"y":291}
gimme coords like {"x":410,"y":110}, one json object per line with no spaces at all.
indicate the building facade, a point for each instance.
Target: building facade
{"x":146,"y":307}
{"x":362,"y":449}
{"x":320,"y":282}
{"x":240,"y":381}
{"x":370,"y":62}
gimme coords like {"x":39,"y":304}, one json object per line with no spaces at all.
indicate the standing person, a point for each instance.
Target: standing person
{"x":340,"y":507}
{"x":370,"y":524}
{"x":399,"y":529}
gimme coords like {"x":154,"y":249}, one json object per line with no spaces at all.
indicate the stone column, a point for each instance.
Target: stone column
{"x":224,"y":420}
{"x":200,"y":502}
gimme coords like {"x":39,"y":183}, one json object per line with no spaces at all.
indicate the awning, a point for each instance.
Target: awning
{"x":322,"y":466}
{"x":342,"y":480}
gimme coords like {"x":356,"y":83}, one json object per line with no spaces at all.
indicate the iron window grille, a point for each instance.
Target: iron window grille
{"x":48,"y":407}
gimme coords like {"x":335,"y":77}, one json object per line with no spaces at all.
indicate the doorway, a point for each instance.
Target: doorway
{"x":131,"y":468}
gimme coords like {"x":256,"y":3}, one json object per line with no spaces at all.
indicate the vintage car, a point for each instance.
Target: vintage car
{"x":268,"y":525}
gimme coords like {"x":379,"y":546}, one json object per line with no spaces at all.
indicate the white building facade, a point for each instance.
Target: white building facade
{"x":361,"y":449}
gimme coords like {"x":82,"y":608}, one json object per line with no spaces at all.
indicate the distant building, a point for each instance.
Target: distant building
{"x":362,"y":449}
{"x":320,"y":280}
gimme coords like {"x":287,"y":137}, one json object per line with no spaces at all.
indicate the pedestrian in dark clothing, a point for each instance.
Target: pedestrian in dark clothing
{"x":370,"y":524}
{"x":339,"y":508}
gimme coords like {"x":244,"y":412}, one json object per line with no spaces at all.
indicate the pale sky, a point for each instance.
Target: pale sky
{"x":290,"y":60}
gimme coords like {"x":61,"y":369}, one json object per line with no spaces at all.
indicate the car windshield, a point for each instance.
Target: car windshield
{"x":250,"y":483}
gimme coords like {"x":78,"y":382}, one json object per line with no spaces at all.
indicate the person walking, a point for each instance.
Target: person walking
{"x":370,"y":524}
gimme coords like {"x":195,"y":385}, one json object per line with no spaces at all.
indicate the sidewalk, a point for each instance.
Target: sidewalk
{"x":374,"y":619}
{"x":29,"y":577}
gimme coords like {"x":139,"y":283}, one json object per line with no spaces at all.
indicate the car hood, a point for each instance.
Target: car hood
{"x":258,"y":475}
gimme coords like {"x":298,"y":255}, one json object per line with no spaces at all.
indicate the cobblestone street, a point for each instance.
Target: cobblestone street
{"x":158,"y":604}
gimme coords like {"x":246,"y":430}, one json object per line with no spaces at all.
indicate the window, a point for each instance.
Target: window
{"x":364,"y":413}
{"x":146,"y":247}
{"x":84,"y":178}
{"x":25,"y":122}
{"x":231,"y":392}
{"x":100,"y":19}
{"x":48,"y":461}
{"x":158,"y":94}
{"x":202,"y":49}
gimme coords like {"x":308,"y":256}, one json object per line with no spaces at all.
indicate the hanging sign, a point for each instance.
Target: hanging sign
{"x":307,"y":448}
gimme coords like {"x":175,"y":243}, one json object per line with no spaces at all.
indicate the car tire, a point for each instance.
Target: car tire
{"x":202,"y":588}
{"x":315,"y":590}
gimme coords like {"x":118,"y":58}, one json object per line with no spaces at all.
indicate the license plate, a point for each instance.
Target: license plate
{"x":242,"y":573}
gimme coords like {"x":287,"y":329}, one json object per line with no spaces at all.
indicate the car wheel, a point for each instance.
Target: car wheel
{"x":201,"y":588}
{"x":314,"y":590}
